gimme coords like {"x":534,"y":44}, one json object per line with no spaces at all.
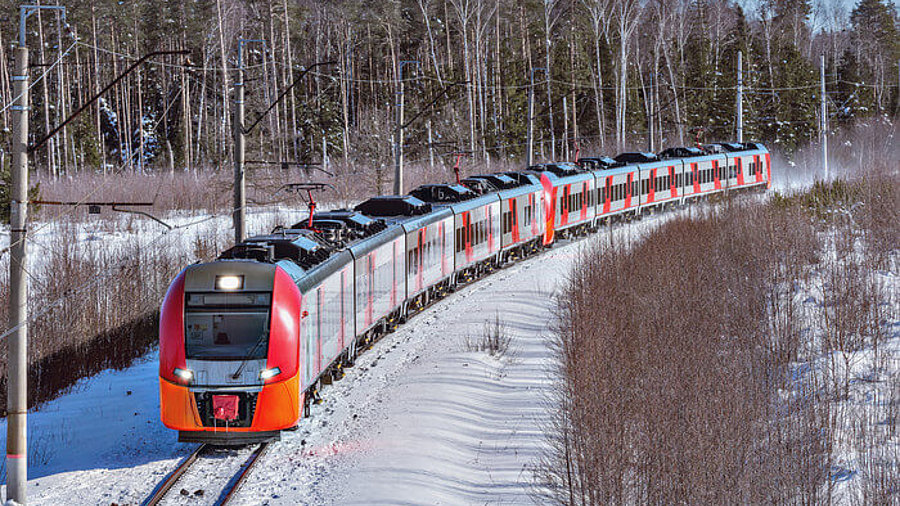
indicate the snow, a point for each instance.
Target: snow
{"x":420,"y":417}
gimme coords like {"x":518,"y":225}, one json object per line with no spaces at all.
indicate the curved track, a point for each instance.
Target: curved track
{"x":162,"y":490}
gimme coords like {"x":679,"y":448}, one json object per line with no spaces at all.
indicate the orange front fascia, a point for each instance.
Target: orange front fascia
{"x":177,"y":407}
{"x":277,"y":407}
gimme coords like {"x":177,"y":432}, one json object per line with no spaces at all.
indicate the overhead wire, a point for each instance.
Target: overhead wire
{"x":39,"y":79}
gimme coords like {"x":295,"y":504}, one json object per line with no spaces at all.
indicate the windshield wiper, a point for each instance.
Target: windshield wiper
{"x":237,"y":374}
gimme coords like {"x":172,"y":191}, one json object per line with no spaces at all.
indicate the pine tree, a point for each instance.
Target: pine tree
{"x":876,"y":45}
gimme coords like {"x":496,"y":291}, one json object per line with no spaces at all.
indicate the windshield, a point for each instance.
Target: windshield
{"x":225,"y":333}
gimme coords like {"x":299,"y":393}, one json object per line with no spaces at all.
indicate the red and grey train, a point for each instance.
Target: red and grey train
{"x":246,"y":340}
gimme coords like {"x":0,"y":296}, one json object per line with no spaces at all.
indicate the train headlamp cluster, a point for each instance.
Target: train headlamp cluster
{"x":229,"y":282}
{"x":269,"y":373}
{"x":185,"y":374}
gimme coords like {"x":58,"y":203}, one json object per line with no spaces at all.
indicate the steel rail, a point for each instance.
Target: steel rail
{"x":236,"y":483}
{"x":163,"y":488}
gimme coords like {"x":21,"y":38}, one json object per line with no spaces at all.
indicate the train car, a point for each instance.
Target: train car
{"x":617,"y":190}
{"x":704,"y":175}
{"x":572,"y":193}
{"x":231,"y":341}
{"x":244,"y":339}
{"x":380,"y":263}
{"x":521,"y":212}
{"x":476,"y":223}
{"x":658,"y":179}
{"x":750,"y":163}
{"x":429,"y":254}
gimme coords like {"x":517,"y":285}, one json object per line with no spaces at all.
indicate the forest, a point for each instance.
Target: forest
{"x":606,"y":75}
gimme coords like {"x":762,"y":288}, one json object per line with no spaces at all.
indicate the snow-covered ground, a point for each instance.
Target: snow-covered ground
{"x":419,"y":419}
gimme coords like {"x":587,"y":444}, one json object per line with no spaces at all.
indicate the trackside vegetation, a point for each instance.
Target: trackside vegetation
{"x":735,"y":357}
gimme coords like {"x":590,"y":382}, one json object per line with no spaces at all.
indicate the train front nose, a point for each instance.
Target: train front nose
{"x":223,"y":360}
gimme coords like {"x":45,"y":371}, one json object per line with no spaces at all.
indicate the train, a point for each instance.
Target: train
{"x":247,"y":340}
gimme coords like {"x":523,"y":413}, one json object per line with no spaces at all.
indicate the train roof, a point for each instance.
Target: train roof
{"x":636,"y":157}
{"x":443,"y":193}
{"x":681,"y":152}
{"x":598,"y":162}
{"x":437,"y":214}
{"x":523,"y":178}
{"x":393,"y":205}
{"x":500,"y":181}
{"x":298,"y":246}
{"x":479,"y":185}
{"x":560,"y":169}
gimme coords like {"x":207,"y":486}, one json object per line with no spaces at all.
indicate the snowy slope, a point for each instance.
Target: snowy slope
{"x":419,"y":418}
{"x":103,"y":442}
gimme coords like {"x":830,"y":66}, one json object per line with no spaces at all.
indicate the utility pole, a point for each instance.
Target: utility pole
{"x":650,"y":116}
{"x":398,"y":134}
{"x":239,"y":215}
{"x":17,"y":402}
{"x":565,"y":129}
{"x":740,"y":97}
{"x":17,"y":368}
{"x":529,"y":156}
{"x":824,"y":122}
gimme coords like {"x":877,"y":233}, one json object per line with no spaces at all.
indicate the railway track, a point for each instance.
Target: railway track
{"x":165,"y":487}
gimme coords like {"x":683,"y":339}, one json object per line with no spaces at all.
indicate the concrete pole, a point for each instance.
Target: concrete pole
{"x":430,"y":144}
{"x":530,"y":135}
{"x":398,"y":135}
{"x":398,"y":140}
{"x":650,"y":116}
{"x":740,"y":97}
{"x":529,"y":160}
{"x":239,"y":215}
{"x":824,"y":124}
{"x":17,"y":342}
{"x":565,"y":150}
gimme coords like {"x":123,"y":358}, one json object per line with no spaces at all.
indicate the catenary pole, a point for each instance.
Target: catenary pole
{"x":824,"y":122}
{"x":239,"y":214}
{"x":17,"y":344}
{"x":740,"y":97}
{"x":17,"y":396}
{"x":398,"y":133}
{"x":529,"y":157}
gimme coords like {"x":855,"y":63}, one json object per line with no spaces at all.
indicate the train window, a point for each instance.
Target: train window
{"x":227,"y":333}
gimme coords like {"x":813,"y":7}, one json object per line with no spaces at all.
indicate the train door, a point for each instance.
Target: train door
{"x":673,"y":187}
{"x":628,"y":189}
{"x":584,"y":200}
{"x":370,"y":298}
{"x":607,"y":194}
{"x":695,"y":178}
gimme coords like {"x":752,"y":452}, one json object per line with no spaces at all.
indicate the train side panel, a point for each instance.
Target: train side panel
{"x":616,"y":190}
{"x":574,"y":203}
{"x":429,"y":257}
{"x":476,"y":231}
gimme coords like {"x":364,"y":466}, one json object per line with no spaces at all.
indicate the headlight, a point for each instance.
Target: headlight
{"x":185,"y":374}
{"x":229,"y":282}
{"x":269,"y":373}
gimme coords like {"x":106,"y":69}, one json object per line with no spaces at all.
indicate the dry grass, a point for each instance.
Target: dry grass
{"x":93,"y":306}
{"x":684,"y":361}
{"x":211,"y":191}
{"x":494,"y":340}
